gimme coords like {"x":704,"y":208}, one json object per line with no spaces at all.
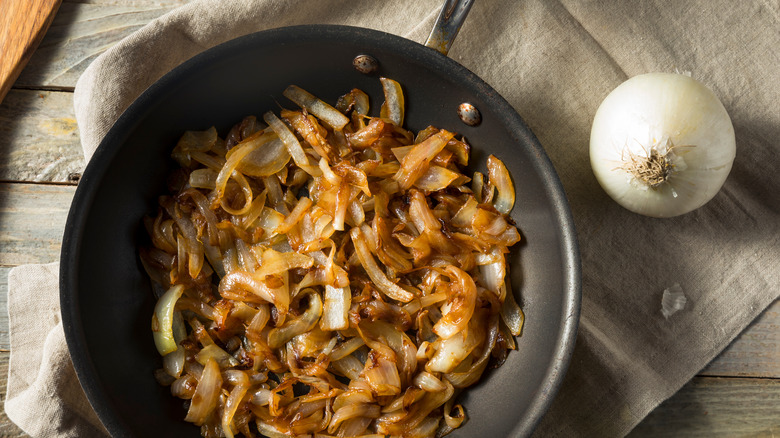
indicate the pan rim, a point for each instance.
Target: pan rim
{"x":116,"y":137}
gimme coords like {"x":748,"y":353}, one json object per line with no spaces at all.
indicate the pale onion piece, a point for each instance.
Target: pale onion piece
{"x":274,"y":262}
{"x":366,"y":135}
{"x":173,"y":363}
{"x":162,"y":320}
{"x":492,"y":275}
{"x":401,"y":151}
{"x":237,"y":279}
{"x":424,"y":301}
{"x":426,"y":428}
{"x":328,"y":173}
{"x":511,"y":313}
{"x":436,"y":178}
{"x":193,"y":141}
{"x":379,"y":278}
{"x":266,"y":160}
{"x":346,"y":348}
{"x":353,"y":410}
{"x":323,"y":111}
{"x":662,"y":144}
{"x":212,"y":351}
{"x":356,"y":427}
{"x":295,"y":216}
{"x":453,"y":421}
{"x":312,"y":343}
{"x":421,"y":214}
{"x":261,"y":397}
{"x":343,"y":196}
{"x":348,"y":366}
{"x":269,"y":220}
{"x":293,"y":327}
{"x":477,"y":185}
{"x":288,"y":138}
{"x":466,"y":213}
{"x":335,"y":310}
{"x":393,"y":107}
{"x":256,"y":326}
{"x":269,"y":430}
{"x":381,"y":375}
{"x":451,"y":351}
{"x":428,"y":382}
{"x":255,"y":210}
{"x":486,"y":258}
{"x":246,"y":189}
{"x":213,"y":162}
{"x":206,"y":394}
{"x":417,"y":161}
{"x":500,"y":178}
{"x":461,"y":302}
{"x":184,"y":387}
{"x":274,"y":188}
{"x":241,"y":382}
{"x":238,"y":153}
{"x":203,"y":179}
{"x":673,"y":300}
{"x":308,"y":127}
{"x":465,"y":378}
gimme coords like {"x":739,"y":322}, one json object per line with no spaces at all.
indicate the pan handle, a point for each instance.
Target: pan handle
{"x":447,"y":25}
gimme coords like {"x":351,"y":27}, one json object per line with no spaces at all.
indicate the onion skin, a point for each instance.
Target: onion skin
{"x":648,"y":115}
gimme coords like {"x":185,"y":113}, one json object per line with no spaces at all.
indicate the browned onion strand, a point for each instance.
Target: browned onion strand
{"x":333,"y":274}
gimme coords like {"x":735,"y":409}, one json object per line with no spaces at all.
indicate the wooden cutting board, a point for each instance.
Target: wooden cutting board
{"x":22,"y":26}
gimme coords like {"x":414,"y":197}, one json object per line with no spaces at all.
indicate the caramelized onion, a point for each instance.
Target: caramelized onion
{"x":345,"y":296}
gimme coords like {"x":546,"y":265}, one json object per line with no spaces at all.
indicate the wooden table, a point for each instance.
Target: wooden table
{"x":738,"y":394}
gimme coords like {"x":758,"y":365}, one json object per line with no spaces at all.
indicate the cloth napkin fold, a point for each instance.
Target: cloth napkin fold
{"x":554,"y":62}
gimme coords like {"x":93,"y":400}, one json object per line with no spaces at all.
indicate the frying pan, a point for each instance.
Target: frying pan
{"x":106,"y":297}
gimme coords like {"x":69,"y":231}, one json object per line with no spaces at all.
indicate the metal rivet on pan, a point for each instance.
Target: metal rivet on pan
{"x":365,"y":64}
{"x":469,"y":114}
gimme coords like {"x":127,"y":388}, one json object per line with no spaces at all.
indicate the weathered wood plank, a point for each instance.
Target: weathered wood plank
{"x":39,"y":139}
{"x":83,"y":30}
{"x":5,"y":341}
{"x":717,"y":407}
{"x":7,"y":428}
{"x":33,"y":219}
{"x":755,"y":353}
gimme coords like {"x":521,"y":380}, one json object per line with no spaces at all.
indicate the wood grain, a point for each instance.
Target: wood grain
{"x":5,"y":341}
{"x":83,"y":30}
{"x":39,"y":139}
{"x":755,"y":353}
{"x":717,"y":407}
{"x":33,"y":219}
{"x":24,"y":22}
{"x":7,"y":428}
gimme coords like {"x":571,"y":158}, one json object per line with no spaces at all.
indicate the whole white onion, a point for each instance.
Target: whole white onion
{"x":662,"y":144}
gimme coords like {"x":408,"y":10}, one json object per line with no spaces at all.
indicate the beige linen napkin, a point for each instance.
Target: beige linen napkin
{"x":554,"y":61}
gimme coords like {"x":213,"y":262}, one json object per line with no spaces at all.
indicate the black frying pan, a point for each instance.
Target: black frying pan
{"x":106,"y":296}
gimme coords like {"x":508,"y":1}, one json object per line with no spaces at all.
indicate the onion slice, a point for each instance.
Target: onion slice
{"x":206,"y":394}
{"x":381,"y":281}
{"x":393,"y":108}
{"x":162,"y":320}
{"x":331,"y":116}
{"x":500,"y":178}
